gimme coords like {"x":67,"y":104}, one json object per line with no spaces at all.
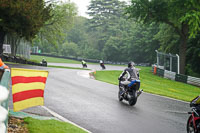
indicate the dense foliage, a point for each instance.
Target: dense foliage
{"x":112,"y":35}
{"x":182,"y":15}
{"x":22,"y":18}
{"x":52,"y":36}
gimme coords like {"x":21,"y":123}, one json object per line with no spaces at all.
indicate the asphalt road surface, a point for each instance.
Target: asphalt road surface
{"x":94,"y":105}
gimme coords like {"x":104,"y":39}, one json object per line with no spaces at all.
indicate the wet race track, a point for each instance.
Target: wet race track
{"x":94,"y":105}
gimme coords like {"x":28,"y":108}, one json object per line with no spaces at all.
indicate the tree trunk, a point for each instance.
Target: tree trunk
{"x":2,"y":36}
{"x":183,"y":47}
{"x":182,"y":54}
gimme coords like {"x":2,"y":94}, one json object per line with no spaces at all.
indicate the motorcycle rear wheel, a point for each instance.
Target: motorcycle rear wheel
{"x":132,"y":101}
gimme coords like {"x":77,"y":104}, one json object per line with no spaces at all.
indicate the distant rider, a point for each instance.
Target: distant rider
{"x":102,"y":64}
{"x":84,"y":63}
{"x":44,"y":62}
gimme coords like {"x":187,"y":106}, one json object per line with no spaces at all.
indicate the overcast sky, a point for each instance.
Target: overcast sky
{"x":82,"y":6}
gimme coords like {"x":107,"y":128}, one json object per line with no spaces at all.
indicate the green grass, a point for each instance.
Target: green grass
{"x":50,"y":126}
{"x":53,"y":59}
{"x":155,"y":84}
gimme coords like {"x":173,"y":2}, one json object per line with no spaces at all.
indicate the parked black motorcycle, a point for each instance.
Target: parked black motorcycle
{"x":193,"y":123}
{"x":129,"y":94}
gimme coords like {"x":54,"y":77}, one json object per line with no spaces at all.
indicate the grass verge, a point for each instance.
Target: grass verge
{"x":53,"y":59}
{"x":68,"y":67}
{"x":154,"y":84}
{"x":50,"y":126}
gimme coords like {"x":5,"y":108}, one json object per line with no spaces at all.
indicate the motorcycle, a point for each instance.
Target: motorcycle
{"x":84,"y":65}
{"x":193,"y":123}
{"x":44,"y":62}
{"x":129,"y":94}
{"x":102,"y":66}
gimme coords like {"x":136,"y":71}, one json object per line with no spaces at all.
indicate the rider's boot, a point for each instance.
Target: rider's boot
{"x":139,"y":92}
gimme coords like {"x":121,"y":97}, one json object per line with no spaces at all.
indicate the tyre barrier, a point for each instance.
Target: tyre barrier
{"x":160,"y":72}
{"x":18,"y":59}
{"x":181,"y":78}
{"x":193,"y":81}
{"x":169,"y":75}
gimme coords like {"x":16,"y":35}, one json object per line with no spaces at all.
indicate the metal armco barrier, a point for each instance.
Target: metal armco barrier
{"x":4,"y":94}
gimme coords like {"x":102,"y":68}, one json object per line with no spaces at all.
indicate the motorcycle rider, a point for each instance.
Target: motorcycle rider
{"x":44,"y":62}
{"x":83,"y":63}
{"x":102,"y":64}
{"x":133,"y":75}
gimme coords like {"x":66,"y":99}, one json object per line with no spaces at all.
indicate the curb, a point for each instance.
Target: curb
{"x":63,"y":119}
{"x":23,"y":115}
{"x":54,"y":114}
{"x":92,"y":74}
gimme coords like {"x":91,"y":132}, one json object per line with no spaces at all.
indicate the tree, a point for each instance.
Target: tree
{"x":182,"y":15}
{"x":142,"y":43}
{"x":23,"y":18}
{"x":168,"y":39}
{"x":103,"y":10}
{"x":54,"y":31}
{"x":13,"y":40}
{"x":69,"y":49}
{"x":114,"y":49}
{"x":105,"y":15}
{"x":193,"y":57}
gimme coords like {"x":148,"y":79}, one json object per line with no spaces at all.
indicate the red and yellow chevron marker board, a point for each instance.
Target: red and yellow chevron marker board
{"x":27,"y":87}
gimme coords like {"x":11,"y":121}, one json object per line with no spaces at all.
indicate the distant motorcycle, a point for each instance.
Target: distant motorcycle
{"x":44,"y":62}
{"x":129,"y":94}
{"x":102,"y":66}
{"x":193,"y":123}
{"x":84,"y":65}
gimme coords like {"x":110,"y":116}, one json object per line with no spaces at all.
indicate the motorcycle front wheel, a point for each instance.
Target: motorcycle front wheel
{"x":132,"y":101}
{"x":190,"y":125}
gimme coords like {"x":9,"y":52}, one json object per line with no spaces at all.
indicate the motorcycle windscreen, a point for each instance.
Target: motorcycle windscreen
{"x":196,"y":100}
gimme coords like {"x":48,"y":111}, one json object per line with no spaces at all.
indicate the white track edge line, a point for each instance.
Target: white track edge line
{"x":165,"y":97}
{"x":63,"y":119}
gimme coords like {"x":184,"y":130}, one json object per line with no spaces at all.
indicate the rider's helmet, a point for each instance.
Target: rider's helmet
{"x":131,"y":64}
